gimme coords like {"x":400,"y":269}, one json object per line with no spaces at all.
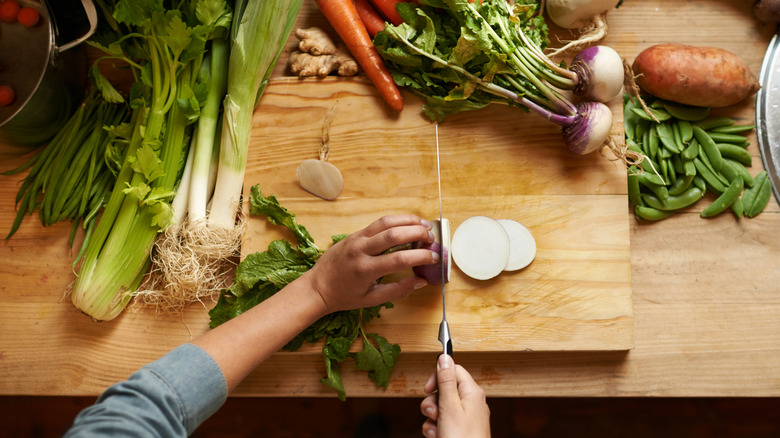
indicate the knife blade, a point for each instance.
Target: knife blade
{"x":767,"y":114}
{"x":444,"y":328}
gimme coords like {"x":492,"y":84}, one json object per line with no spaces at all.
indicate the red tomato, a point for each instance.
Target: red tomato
{"x":9,"y":9}
{"x":28,"y":16}
{"x":6,"y":95}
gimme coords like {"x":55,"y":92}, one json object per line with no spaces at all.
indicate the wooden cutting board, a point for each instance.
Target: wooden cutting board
{"x":498,"y":162}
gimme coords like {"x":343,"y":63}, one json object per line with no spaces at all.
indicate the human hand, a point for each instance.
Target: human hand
{"x":345,"y":275}
{"x":459,"y":407}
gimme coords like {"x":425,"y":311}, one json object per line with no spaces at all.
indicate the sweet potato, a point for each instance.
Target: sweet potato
{"x":699,"y":76}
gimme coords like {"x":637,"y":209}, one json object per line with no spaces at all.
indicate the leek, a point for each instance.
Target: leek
{"x":258,"y":34}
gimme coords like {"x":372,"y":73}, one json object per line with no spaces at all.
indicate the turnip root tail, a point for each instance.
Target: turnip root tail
{"x":590,"y":34}
{"x":629,"y":83}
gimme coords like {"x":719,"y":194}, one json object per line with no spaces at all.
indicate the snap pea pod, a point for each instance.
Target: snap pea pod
{"x":737,"y":139}
{"x":651,"y":143}
{"x":660,"y":190}
{"x":691,"y":150}
{"x":705,"y":159}
{"x":650,"y":213}
{"x":686,"y":112}
{"x":659,"y":114}
{"x":712,"y":181}
{"x":738,"y":208}
{"x":685,"y":199}
{"x":714,"y":122}
{"x":689,"y":168}
{"x":699,"y":182}
{"x":648,"y":166}
{"x":739,"y":168}
{"x":634,"y":192}
{"x":681,"y":185}
{"x":666,"y":135}
{"x":726,"y":199}
{"x":735,"y":152}
{"x":686,"y":131}
{"x":733,"y":129}
{"x":757,"y":197}
{"x":710,"y":148}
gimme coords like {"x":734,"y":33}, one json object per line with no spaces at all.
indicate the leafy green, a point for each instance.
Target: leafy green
{"x":260,"y":275}
{"x":463,"y":56}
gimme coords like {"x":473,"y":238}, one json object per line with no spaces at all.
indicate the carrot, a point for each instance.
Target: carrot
{"x":387,"y":9}
{"x":9,"y":9}
{"x":28,"y":16}
{"x":370,"y":17}
{"x":691,"y":75}
{"x":7,"y":95}
{"x":344,"y":18}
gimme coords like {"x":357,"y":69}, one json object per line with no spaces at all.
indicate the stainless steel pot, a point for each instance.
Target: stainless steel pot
{"x":46,"y":73}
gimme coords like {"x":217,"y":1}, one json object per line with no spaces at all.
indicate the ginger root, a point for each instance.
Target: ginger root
{"x":318,"y":55}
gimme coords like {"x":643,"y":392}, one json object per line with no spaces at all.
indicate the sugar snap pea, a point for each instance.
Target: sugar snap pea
{"x":735,"y":152}
{"x":659,"y":114}
{"x":686,"y":131}
{"x":689,"y":168}
{"x":686,"y":112}
{"x":738,"y":208}
{"x":685,"y":199}
{"x":757,"y":197}
{"x":666,"y":136}
{"x":739,"y":168}
{"x":648,"y":181}
{"x":634,"y":195}
{"x":720,"y":137}
{"x":710,"y":148}
{"x":724,"y":201}
{"x":691,"y":150}
{"x":681,"y":185}
{"x":705,"y":159}
{"x":714,"y":122}
{"x":699,"y":182}
{"x":712,"y":181}
{"x":651,"y":214}
{"x":733,"y":129}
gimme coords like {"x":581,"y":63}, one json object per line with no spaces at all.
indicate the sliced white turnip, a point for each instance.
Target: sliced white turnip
{"x":480,"y":247}
{"x":522,"y":245}
{"x":433,"y":273}
{"x":320,"y":178}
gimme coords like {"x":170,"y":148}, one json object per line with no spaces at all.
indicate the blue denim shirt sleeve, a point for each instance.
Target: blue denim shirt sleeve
{"x":169,"y":397}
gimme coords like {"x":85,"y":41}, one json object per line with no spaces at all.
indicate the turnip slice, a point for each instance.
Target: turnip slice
{"x":522,"y":245}
{"x":432,"y":273}
{"x":320,"y":178}
{"x":480,"y":247}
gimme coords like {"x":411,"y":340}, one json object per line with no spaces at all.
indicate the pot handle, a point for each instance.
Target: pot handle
{"x":89,"y":9}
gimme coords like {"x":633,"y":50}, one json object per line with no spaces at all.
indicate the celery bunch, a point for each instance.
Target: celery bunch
{"x":165,"y":47}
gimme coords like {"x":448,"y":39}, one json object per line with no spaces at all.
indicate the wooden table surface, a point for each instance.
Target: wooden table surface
{"x":706,"y":293}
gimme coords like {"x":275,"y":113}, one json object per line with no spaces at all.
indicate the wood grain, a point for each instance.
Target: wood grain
{"x":706,"y":293}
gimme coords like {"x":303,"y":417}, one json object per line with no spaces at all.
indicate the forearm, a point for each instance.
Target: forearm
{"x":241,"y":344}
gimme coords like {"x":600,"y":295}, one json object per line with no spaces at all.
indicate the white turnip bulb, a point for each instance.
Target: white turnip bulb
{"x":522,"y":245}
{"x":599,"y":72}
{"x":480,"y":247}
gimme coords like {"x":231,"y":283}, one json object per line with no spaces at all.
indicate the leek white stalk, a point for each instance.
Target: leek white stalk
{"x":258,"y":34}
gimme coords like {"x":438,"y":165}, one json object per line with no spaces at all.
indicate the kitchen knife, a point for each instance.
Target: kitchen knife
{"x":444,"y":328}
{"x":768,"y":114}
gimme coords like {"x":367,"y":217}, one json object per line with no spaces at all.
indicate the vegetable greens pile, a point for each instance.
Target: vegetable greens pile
{"x":262,"y":274}
{"x":462,"y":56}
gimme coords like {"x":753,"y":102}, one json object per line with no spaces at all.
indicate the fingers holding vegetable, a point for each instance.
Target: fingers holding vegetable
{"x":365,"y":254}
